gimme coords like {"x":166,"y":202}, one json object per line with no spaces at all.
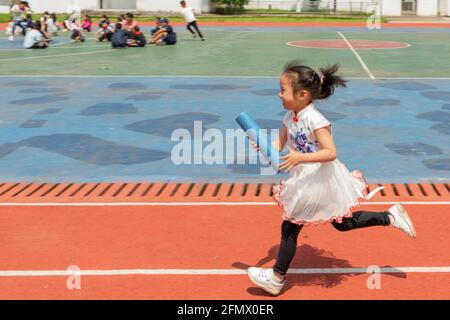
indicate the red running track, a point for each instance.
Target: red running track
{"x":212,"y":237}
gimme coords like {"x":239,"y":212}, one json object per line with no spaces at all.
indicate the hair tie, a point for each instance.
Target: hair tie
{"x":321,"y":77}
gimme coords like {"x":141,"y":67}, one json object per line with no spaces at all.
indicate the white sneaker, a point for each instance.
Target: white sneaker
{"x":11,"y":38}
{"x":402,"y":220}
{"x":264,"y":278}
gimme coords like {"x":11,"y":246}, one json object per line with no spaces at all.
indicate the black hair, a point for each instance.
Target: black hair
{"x":137,"y":29}
{"x":118,"y":26}
{"x":183,"y":2}
{"x":130,"y":15}
{"x":36,"y":25}
{"x":320,"y":84}
{"x":53,"y":15}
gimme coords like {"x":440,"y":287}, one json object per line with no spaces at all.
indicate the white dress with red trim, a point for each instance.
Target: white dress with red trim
{"x":317,"y":192}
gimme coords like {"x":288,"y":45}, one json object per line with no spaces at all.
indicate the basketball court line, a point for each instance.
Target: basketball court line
{"x":206,"y":272}
{"x":292,"y":44}
{"x":60,"y":46}
{"x":56,"y":55}
{"x":361,"y":61}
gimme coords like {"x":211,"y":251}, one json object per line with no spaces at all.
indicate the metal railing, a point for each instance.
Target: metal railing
{"x":315,"y":6}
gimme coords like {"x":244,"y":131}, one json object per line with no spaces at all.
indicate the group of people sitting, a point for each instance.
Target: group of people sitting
{"x":125,"y":32}
{"x":37,"y":34}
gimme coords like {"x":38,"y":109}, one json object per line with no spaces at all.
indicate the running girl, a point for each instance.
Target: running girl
{"x":320,"y":188}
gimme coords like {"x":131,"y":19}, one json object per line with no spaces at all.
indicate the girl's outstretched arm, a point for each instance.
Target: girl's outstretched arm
{"x":326,"y":154}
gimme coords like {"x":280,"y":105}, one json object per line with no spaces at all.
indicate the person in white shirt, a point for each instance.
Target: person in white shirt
{"x":189,"y":17}
{"x":34,"y":39}
{"x":19,"y":12}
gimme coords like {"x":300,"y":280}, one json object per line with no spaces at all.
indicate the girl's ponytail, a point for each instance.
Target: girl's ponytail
{"x":329,"y":81}
{"x":320,"y":84}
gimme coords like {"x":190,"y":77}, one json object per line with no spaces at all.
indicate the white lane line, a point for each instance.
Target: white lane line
{"x":123,"y":272}
{"x":190,"y":204}
{"x":199,"y":76}
{"x":56,"y":55}
{"x":361,"y":61}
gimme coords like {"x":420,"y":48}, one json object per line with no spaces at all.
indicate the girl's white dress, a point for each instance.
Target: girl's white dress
{"x":316,"y":192}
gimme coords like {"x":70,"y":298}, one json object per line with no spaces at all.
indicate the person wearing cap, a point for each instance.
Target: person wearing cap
{"x":165,"y":35}
{"x":157,"y":26}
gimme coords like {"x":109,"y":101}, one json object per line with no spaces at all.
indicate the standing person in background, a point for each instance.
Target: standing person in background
{"x":20,"y":13}
{"x":189,"y":17}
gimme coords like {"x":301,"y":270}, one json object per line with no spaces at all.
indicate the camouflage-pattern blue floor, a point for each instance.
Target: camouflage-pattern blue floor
{"x":119,"y":129}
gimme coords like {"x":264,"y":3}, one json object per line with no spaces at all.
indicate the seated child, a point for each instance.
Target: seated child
{"x":119,"y":38}
{"x":87,"y":23}
{"x":103,"y":19}
{"x":51,"y":23}
{"x":77,"y":34}
{"x":104,"y":33}
{"x":34,"y":38}
{"x":129,"y":23}
{"x":137,"y":38}
{"x":157,"y":26}
{"x":165,"y":35}
{"x":44,"y":17}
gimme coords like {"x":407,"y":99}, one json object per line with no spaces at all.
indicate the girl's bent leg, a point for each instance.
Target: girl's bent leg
{"x":363,"y":219}
{"x":288,"y":246}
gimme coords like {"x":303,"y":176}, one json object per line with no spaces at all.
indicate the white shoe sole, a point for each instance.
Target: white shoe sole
{"x":272,"y":291}
{"x":404,"y":215}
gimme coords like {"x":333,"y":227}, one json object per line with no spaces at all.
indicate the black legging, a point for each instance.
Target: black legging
{"x":194,"y":24}
{"x":290,"y":231}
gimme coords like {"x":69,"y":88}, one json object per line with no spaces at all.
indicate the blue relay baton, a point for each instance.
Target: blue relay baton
{"x":262,"y":140}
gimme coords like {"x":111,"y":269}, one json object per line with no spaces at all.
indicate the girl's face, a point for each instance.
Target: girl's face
{"x":291,"y":100}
